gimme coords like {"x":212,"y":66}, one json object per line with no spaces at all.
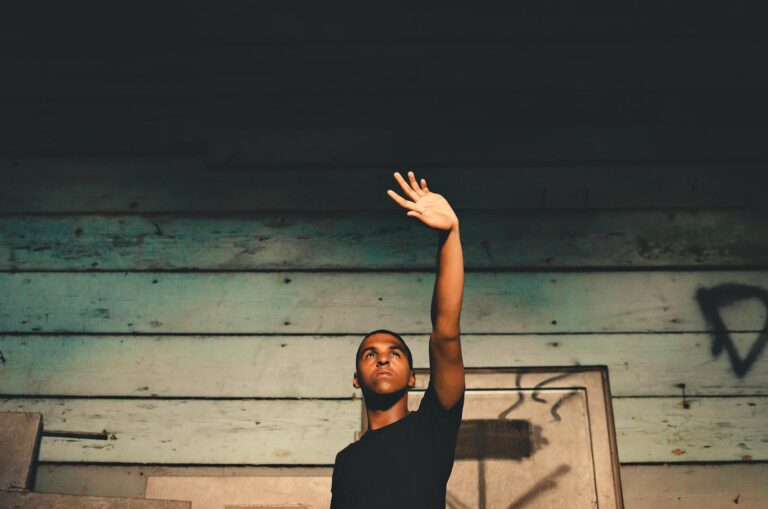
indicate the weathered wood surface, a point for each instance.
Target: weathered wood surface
{"x":178,"y":183}
{"x":19,"y":435}
{"x":711,"y":429}
{"x":248,"y":492}
{"x":695,"y":486}
{"x":645,"y":487}
{"x":383,"y":109}
{"x":375,"y":147}
{"x":304,"y":21}
{"x":27,"y":500}
{"x":277,"y":367}
{"x":397,"y":67}
{"x":479,"y":146}
{"x":196,"y":431}
{"x":130,"y":480}
{"x":383,"y":240}
{"x":304,"y":432}
{"x":301,"y":302}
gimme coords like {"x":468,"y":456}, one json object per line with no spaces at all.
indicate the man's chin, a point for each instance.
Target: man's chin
{"x":386,"y":387}
{"x":383,"y":395}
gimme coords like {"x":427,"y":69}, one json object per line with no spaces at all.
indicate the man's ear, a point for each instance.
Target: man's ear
{"x":412,"y":380}
{"x":355,"y":382}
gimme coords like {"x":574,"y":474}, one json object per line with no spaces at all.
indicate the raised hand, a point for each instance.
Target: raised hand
{"x":430,"y":208}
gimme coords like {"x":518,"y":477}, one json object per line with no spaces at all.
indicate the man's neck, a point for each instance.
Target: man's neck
{"x":380,"y":416}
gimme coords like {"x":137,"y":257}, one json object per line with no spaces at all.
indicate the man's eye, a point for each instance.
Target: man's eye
{"x":370,"y":353}
{"x":395,"y":353}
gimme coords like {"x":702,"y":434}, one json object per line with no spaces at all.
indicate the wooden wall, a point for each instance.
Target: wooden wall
{"x":194,"y":230}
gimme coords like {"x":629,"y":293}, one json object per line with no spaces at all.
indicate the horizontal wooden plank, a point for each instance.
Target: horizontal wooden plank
{"x":175,"y":183}
{"x":277,"y":367}
{"x":695,"y":486}
{"x":312,"y":431}
{"x":244,"y":492}
{"x":305,"y":21}
{"x":29,"y":500}
{"x":682,"y":63}
{"x":130,"y":480}
{"x":175,"y":366}
{"x":710,"y":429}
{"x":478,"y":146}
{"x":185,"y":113}
{"x":342,"y":302}
{"x":196,"y":431}
{"x":299,"y":240}
{"x":682,"y":486}
{"x":354,"y":147}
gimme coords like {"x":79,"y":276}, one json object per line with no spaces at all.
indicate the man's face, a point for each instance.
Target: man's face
{"x":383,"y":365}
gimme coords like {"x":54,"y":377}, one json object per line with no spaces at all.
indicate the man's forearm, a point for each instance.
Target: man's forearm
{"x":449,"y":285}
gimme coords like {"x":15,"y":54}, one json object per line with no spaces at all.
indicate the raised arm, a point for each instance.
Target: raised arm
{"x":446,"y":364}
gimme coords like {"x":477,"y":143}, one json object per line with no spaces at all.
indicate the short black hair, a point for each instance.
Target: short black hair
{"x":387,"y":331}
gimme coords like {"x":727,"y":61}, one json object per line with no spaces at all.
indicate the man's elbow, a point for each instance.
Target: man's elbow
{"x":446,"y":334}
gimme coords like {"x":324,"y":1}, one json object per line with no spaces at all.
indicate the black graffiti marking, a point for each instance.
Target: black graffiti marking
{"x":710,"y":301}
{"x":520,"y":397}
{"x":559,"y":403}
{"x":2,"y":357}
{"x":535,"y":395}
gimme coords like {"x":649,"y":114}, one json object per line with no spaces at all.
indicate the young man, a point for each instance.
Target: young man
{"x":405,"y":458}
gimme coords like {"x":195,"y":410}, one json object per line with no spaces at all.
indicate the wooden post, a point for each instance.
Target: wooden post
{"x":19,"y":442}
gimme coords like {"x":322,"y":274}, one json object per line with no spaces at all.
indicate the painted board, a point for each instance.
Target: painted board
{"x":331,"y":302}
{"x":196,"y":431}
{"x":372,"y":63}
{"x":295,"y":240}
{"x":176,"y":183}
{"x":286,"y":432}
{"x":311,"y":432}
{"x":264,"y":492}
{"x":235,"y":144}
{"x":541,"y":440}
{"x":310,"y":22}
{"x":221,"y":366}
{"x":29,"y":500}
{"x":736,"y":485}
{"x":683,"y":486}
{"x":493,"y":108}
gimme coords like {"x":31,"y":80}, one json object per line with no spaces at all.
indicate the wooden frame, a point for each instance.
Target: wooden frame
{"x":590,"y":385}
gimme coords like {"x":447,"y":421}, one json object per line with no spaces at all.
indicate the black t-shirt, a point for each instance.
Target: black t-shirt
{"x":404,"y":465}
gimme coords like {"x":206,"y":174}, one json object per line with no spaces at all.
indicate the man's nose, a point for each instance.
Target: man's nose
{"x":381,"y":362}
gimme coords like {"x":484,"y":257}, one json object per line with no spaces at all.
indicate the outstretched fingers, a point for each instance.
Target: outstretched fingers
{"x":413,"y":190}
{"x":407,"y":189}
{"x":402,"y":201}
{"x":414,"y":184}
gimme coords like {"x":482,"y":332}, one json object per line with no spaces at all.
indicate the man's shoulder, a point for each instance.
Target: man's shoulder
{"x":431,"y":401}
{"x":347,"y":452}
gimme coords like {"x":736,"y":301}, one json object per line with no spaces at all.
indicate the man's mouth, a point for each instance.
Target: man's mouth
{"x":383,"y":373}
